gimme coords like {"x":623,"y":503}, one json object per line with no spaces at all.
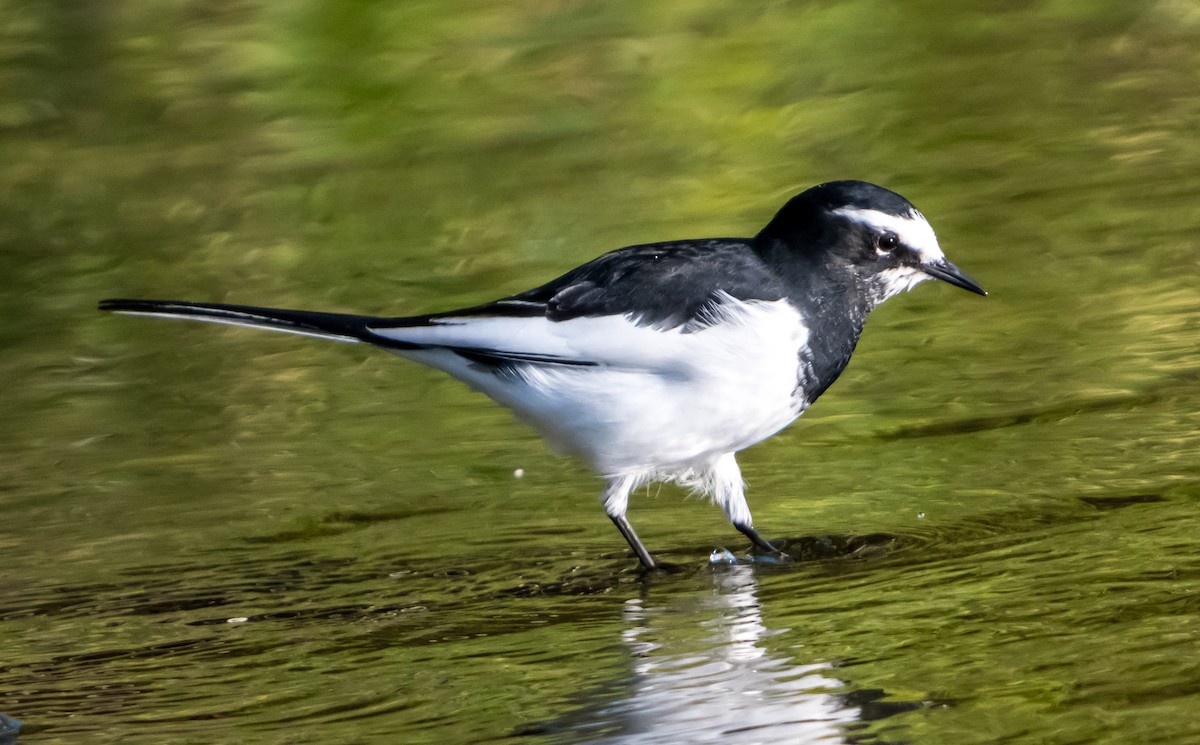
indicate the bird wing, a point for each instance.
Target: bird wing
{"x":610,"y":312}
{"x":659,"y":284}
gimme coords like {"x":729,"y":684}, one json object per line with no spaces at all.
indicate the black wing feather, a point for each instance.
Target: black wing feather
{"x":665,"y":285}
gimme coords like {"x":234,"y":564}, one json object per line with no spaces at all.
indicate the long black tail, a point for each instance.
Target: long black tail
{"x":338,"y":326}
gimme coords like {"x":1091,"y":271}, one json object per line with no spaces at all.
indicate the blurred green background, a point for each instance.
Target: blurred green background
{"x":1025,"y":466}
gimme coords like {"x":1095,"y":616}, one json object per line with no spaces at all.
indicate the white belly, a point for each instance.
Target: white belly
{"x":661,"y":401}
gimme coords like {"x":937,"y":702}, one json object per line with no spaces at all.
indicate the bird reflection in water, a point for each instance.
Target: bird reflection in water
{"x":724,"y":685}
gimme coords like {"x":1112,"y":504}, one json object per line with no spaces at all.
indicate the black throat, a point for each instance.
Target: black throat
{"x":833,"y":304}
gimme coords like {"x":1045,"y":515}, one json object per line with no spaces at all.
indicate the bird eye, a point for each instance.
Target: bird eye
{"x":888,"y":241}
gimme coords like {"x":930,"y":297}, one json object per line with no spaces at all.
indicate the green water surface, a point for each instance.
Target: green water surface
{"x":212,"y":535}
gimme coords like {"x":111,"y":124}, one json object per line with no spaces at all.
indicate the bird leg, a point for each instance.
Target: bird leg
{"x":634,"y":542}
{"x":616,"y":501}
{"x":724,"y":482}
{"x":757,"y":539}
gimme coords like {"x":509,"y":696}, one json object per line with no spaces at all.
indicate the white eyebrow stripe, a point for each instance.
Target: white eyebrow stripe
{"x":914,"y":232}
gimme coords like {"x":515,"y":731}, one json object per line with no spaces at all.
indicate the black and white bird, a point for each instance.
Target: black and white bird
{"x":659,"y":362}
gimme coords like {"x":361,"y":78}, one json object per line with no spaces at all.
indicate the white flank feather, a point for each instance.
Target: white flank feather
{"x":661,"y":404}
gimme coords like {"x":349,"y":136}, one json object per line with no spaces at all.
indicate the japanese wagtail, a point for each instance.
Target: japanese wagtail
{"x":659,"y":362}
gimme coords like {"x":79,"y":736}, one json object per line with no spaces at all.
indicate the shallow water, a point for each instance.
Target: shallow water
{"x":216,"y":535}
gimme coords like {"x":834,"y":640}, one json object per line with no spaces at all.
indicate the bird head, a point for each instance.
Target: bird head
{"x":872,"y":236}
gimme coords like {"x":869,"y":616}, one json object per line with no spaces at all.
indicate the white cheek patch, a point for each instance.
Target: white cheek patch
{"x":895,"y":281}
{"x":913,"y":230}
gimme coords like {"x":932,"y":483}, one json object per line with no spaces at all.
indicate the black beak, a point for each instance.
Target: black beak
{"x":947,"y":272}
